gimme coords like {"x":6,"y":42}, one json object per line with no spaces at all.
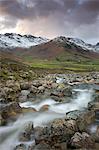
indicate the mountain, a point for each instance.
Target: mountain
{"x":60,"y":52}
{"x":78,"y":42}
{"x":38,"y":47}
{"x":12,"y":40}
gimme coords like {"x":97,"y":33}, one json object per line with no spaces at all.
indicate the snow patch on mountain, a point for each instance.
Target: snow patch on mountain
{"x":10,"y":40}
{"x":77,"y":42}
{"x":84,"y":45}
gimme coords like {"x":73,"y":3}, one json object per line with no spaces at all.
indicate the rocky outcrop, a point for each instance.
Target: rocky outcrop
{"x":82,"y":141}
{"x":9,"y":111}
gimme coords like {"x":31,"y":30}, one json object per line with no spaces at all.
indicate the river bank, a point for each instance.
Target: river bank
{"x":57,"y":111}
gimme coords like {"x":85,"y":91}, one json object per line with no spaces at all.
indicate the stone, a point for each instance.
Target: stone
{"x":10,"y":110}
{"x":25,"y":86}
{"x":93,"y":106}
{"x":83,"y":140}
{"x":41,"y":89}
{"x":85,"y":119}
{"x":41,"y":146}
{"x":59,"y":131}
{"x":44,"y":108}
{"x":20,"y":147}
{"x":28,"y":133}
{"x":36,"y":83}
{"x":33,"y":89}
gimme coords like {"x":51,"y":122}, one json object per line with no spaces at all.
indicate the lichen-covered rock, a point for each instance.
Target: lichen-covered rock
{"x":41,"y":146}
{"x":58,"y":131}
{"x":83,"y":140}
{"x":85,"y":119}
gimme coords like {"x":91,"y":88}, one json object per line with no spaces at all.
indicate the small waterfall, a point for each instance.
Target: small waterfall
{"x":9,"y":134}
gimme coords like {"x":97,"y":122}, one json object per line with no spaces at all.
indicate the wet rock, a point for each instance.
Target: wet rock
{"x":64,"y":127}
{"x":28,"y":110}
{"x":97,"y":135}
{"x":20,"y":147}
{"x":44,"y":108}
{"x":74,"y":114}
{"x":2,"y":121}
{"x":94,"y":106}
{"x":57,"y":132}
{"x":23,"y":95}
{"x":41,"y":146}
{"x":2,"y":101}
{"x":57,"y":94}
{"x":82,"y":141}
{"x":85,"y":119}
{"x":28,"y":133}
{"x":11,"y":110}
{"x":67,"y":91}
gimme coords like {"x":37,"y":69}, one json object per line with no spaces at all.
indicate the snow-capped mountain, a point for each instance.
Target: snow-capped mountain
{"x":12,"y":40}
{"x":78,"y":42}
{"x":84,"y":45}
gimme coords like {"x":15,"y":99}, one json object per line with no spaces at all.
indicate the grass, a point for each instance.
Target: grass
{"x":66,"y":65}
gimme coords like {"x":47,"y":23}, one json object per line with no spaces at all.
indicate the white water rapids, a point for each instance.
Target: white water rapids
{"x":9,"y":134}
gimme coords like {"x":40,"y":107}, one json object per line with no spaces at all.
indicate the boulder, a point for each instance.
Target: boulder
{"x":83,"y":140}
{"x":44,"y":108}
{"x":21,"y":147}
{"x":10,"y":110}
{"x":59,"y":131}
{"x":85,"y":119}
{"x":93,"y":106}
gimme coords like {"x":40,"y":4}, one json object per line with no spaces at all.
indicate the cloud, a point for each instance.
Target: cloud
{"x":51,"y":17}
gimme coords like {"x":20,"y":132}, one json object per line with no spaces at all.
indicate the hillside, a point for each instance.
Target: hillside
{"x":60,"y":53}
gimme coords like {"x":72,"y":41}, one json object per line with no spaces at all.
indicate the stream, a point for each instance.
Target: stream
{"x":9,"y":134}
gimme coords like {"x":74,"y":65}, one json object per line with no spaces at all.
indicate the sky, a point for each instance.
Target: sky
{"x":51,"y":18}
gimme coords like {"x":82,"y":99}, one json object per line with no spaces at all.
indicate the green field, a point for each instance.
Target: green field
{"x":66,"y":65}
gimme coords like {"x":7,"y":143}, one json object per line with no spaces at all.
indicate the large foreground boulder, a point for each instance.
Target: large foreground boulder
{"x":83,"y":140}
{"x":8,"y":111}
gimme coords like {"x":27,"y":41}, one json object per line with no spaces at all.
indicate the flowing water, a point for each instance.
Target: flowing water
{"x":9,"y":134}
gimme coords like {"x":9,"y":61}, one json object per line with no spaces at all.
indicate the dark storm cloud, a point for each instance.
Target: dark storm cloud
{"x":86,"y":12}
{"x":75,"y":15}
{"x":30,"y":8}
{"x":15,"y":9}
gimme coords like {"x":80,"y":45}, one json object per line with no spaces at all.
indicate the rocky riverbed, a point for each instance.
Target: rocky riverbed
{"x":55,"y":112}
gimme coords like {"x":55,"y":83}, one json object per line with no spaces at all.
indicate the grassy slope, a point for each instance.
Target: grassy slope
{"x":57,"y":56}
{"x":54,"y":56}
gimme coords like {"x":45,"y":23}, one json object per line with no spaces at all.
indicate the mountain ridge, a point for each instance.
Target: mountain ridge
{"x":12,"y":40}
